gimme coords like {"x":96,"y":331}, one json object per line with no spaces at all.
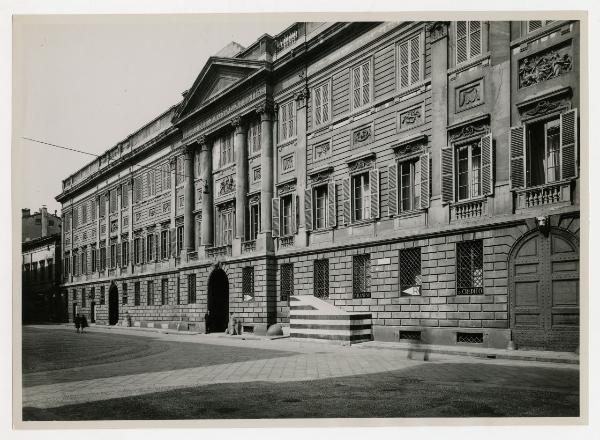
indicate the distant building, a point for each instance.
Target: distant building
{"x":41,"y":268}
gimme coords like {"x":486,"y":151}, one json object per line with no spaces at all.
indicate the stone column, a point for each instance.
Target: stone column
{"x":130,"y":224}
{"x":188,"y":191}
{"x":98,"y":226}
{"x":207,"y":194}
{"x":267,"y":153}
{"x":107,"y":234}
{"x":240,"y":148}
{"x":438,"y":214}
{"x":301,"y":124}
{"x":119,"y":225}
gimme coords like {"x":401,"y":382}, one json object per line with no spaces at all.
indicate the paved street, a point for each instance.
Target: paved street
{"x":126,"y":374}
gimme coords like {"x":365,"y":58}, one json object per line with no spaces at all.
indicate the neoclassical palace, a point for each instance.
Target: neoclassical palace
{"x":351,"y":181}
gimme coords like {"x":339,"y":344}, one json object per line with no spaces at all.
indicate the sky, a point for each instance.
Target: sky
{"x":87,"y":82}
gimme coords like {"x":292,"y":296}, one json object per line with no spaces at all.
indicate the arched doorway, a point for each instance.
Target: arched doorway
{"x":113,"y":304}
{"x":544,"y":291}
{"x":218,"y":301}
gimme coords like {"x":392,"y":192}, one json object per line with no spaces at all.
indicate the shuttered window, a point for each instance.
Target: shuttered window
{"x":361,"y":85}
{"x":287,"y":120}
{"x":137,"y":192}
{"x":125,"y":195}
{"x":224,"y":226}
{"x":468,"y":40}
{"x":113,"y":201}
{"x":254,"y":136}
{"x":321,"y":104}
{"x":534,"y":25}
{"x":287,"y":215}
{"x":410,"y":61}
{"x":166,"y":177}
{"x":179,"y":171}
{"x":226,"y":150}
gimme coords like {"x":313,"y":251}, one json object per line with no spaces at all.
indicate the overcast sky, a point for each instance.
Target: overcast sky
{"x":88,"y":82}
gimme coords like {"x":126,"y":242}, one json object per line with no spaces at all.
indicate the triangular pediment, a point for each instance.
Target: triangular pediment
{"x":217,"y":77}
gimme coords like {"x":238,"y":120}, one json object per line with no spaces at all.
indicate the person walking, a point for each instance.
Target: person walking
{"x":77,"y":322}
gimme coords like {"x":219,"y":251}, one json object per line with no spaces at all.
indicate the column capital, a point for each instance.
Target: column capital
{"x":301,"y":96}
{"x":265,"y":110}
{"x":188,"y":149}
{"x":236,"y":122}
{"x":204,"y":142}
{"x":437,"y":30}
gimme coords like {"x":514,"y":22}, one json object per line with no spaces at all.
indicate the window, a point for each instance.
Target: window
{"x":321,"y":278}
{"x":102,"y":205}
{"x":124,"y":294}
{"x":102,"y":295}
{"x":287,"y":120}
{"x":468,"y":40}
{"x":409,"y":189}
{"x":179,"y":171}
{"x":137,"y":189}
{"x":166,"y":176}
{"x":361,"y":85}
{"x":287,"y":215}
{"x":67,"y":262}
{"x":150,"y":293}
{"x":93,"y":293}
{"x":113,"y":201}
{"x":84,"y":267}
{"x":74,"y":266}
{"x":321,"y":104}
{"x":136,"y":293}
{"x":543,"y":158}
{"x":178,"y":298}
{"x":224,"y":226}
{"x":254,"y":135}
{"x":409,"y":58}
{"x":150,"y":247}
{"x":124,"y":253}
{"x":150,"y":184}
{"x":254,"y":221}
{"x":534,"y":25}
{"x":192,"y":288}
{"x":287,"y":281}
{"x":469,"y":267}
{"x":226,"y":150}
{"x":164,"y":244}
{"x":361,"y":276}
{"x":75,"y":218}
{"x":102,"y":257}
{"x":409,"y":266}
{"x":113,"y":254}
{"x":320,"y":207}
{"x":164,"y":291}
{"x":84,"y":214}
{"x":468,"y":171}
{"x":137,"y":250}
{"x":361,"y":197}
{"x":248,"y":283}
{"x":124,"y":195}
{"x":83,"y":298}
{"x":179,"y":239}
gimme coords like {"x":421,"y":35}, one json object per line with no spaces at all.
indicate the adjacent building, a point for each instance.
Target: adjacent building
{"x":420,"y":178}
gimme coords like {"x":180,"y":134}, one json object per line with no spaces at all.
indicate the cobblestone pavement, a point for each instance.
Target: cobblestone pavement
{"x":274,"y":361}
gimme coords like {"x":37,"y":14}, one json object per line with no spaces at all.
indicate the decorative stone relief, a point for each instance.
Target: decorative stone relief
{"x":256,"y":174}
{"x":114,"y":226}
{"x":544,"y":66}
{"x":323,"y":176}
{"x":254,"y":199}
{"x":545,"y":106}
{"x":437,"y":30}
{"x":322,"y":151}
{"x":409,"y":149}
{"x":286,"y":188}
{"x":125,"y":221}
{"x":138,"y":216}
{"x":226,"y":186}
{"x":151,"y":212}
{"x":166,"y":207}
{"x":411,"y":117}
{"x":288,"y":163}
{"x":84,"y":236}
{"x":468,"y":96}
{"x":360,"y":165}
{"x":476,"y":129}
{"x":362,"y":136}
{"x":102,"y":229}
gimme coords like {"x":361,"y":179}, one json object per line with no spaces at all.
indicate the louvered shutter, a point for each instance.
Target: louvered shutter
{"x":158,"y":179}
{"x":294,"y":213}
{"x":393,"y":189}
{"x":331,"y":206}
{"x":308,"y":210}
{"x":325,"y":103}
{"x":156,"y":246}
{"x":517,"y":157}
{"x":366,"y":83}
{"x":424,"y":196}
{"x":143,"y":256}
{"x":346,"y":200}
{"x":415,"y":59}
{"x":108,"y":259}
{"x":275,"y":216}
{"x":568,"y":144}
{"x":318,"y":106}
{"x":447,"y":175}
{"x":91,"y":252}
{"x":118,"y":254}
{"x":172,"y":238}
{"x":356,"y":87}
{"x":474,"y":38}
{"x":461,"y":41}
{"x":403,"y":56}
{"x":374,"y":187}
{"x":487,"y":165}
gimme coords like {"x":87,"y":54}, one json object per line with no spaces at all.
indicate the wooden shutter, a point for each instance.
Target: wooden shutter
{"x":393,"y":189}
{"x":325,"y":103}
{"x":172,"y":237}
{"x":118,"y":253}
{"x":356,"y":87}
{"x":308,"y":211}
{"x":346,"y":200}
{"x":366,"y":83}
{"x":568,"y":144}
{"x":294,"y":219}
{"x":108,"y":260}
{"x":461,"y":41}
{"x":331,"y":206}
{"x":474,"y":38}
{"x":447,"y":175}
{"x":156,"y":246}
{"x":517,"y":156}
{"x":424,"y":196}
{"x":404,"y":64}
{"x":317,"y":102}
{"x":374,"y":188}
{"x":487,"y":164}
{"x":275,"y":216}
{"x":143,"y":256}
{"x":415,"y":59}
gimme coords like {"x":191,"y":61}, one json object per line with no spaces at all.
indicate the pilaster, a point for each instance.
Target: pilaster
{"x":206,"y":178}
{"x":266,"y":112}
{"x":301,"y":124}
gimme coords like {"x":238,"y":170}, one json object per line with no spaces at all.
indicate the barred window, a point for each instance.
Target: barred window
{"x":192,"y":288}
{"x":102,"y":295}
{"x":469,"y":256}
{"x":124,"y":295}
{"x":409,"y":268}
{"x":287,"y":281}
{"x":321,"y":278}
{"x":164,"y":291}
{"x":150,"y":293}
{"x":136,"y":293}
{"x":361,"y":276}
{"x":248,"y":283}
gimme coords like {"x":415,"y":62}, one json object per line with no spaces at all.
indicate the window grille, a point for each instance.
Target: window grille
{"x":124,"y":295}
{"x":409,"y":262}
{"x":407,"y":335}
{"x":248,"y":283}
{"x":287,"y":281}
{"x":469,"y":269}
{"x":150,"y":293}
{"x":102,"y":295}
{"x":361,"y":276}
{"x":469,"y":338}
{"x":321,"y":278}
{"x":92,"y":293}
{"x":164,"y":291}
{"x":192,"y":288}
{"x":136,"y":298}
{"x":83,"y":298}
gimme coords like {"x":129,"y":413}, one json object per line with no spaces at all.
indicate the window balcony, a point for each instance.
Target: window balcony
{"x":468,"y":209}
{"x":248,"y":246}
{"x":286,"y":241}
{"x":192,"y":256}
{"x":542,"y":195}
{"x":218,"y":251}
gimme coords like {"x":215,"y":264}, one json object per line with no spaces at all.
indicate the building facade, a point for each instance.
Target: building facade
{"x":42,"y":298}
{"x":420,"y":175}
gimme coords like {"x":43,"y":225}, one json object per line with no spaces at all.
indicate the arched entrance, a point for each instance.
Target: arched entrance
{"x":544,"y":291}
{"x":218,"y":301}
{"x":113,"y":304}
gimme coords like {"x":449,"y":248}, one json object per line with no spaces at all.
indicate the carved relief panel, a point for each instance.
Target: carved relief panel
{"x":468,"y":96}
{"x":546,"y":65}
{"x":411,"y":117}
{"x":362,"y":136}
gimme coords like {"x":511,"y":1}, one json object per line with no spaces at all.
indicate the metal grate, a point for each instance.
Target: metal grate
{"x":150,"y":293}
{"x":409,"y":335}
{"x":361,"y":276}
{"x":287,"y":281}
{"x":164,"y":291}
{"x":136,"y":293}
{"x":102,"y":295}
{"x":321,"y":278}
{"x":192,"y":288}
{"x":469,"y":338}
{"x":124,"y":296}
{"x":409,"y":264}
{"x":469,"y":268}
{"x":248,"y":283}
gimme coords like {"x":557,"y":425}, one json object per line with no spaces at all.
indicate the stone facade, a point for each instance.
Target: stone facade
{"x":351,"y":142}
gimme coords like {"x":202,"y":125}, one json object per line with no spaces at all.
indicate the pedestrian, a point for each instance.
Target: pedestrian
{"x":77,"y":322}
{"x":84,"y":323}
{"x":207,"y":322}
